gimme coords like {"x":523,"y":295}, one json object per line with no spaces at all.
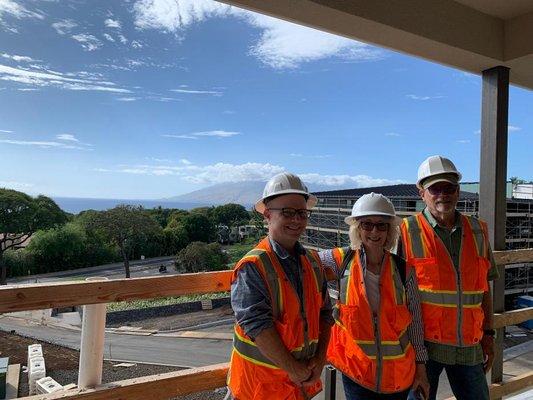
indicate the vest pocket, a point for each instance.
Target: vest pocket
{"x":427,"y":272}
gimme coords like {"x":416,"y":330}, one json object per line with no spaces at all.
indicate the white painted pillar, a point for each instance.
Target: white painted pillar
{"x":92,"y":343}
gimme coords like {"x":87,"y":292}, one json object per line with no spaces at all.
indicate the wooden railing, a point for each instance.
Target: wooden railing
{"x":164,"y":386}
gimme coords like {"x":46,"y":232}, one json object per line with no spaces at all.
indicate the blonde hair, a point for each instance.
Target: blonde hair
{"x":390,"y":242}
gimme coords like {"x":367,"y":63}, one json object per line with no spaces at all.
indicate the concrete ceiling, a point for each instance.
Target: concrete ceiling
{"x":471,"y":35}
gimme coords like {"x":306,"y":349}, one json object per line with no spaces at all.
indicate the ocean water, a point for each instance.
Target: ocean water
{"x":75,"y":205}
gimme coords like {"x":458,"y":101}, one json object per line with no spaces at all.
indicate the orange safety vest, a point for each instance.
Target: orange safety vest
{"x":373,"y":350}
{"x":451,"y":299}
{"x":252,"y":376}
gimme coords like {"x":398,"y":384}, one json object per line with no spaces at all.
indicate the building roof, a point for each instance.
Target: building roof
{"x":402,"y":190}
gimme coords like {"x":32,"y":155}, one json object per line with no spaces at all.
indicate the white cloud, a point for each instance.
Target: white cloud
{"x":282,"y":45}
{"x":196,"y":135}
{"x":136,"y":44}
{"x":189,"y":91}
{"x":422,"y":98}
{"x":318,"y":156}
{"x":185,"y":161}
{"x":56,"y":79}
{"x":109,"y":37}
{"x":394,"y":134}
{"x":122,"y":39}
{"x":65,"y":26}
{"x":16,"y":58}
{"x":16,"y":10}
{"x":88,"y":42}
{"x":43,"y":144}
{"x":15,"y":185}
{"x":342,"y":180}
{"x":181,"y":137}
{"x":463,"y":141}
{"x":510,"y":128}
{"x":226,"y":172}
{"x":5,"y":131}
{"x":28,"y":90}
{"x":112,"y":23}
{"x":127,"y":99}
{"x":67,"y":137}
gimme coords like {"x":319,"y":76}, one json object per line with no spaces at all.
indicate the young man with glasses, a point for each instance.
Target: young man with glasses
{"x":282,"y":310}
{"x":453,"y":262}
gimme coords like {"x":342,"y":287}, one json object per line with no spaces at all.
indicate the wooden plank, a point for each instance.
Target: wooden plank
{"x":154,"y":387}
{"x":513,"y":256}
{"x":513,"y":385}
{"x":513,"y":317}
{"x":62,"y":294}
{"x":12,"y":381}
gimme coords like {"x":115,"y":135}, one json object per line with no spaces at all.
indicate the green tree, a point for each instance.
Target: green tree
{"x":259,"y":222}
{"x":59,"y":249}
{"x":230,"y":215}
{"x":199,"y":227}
{"x":175,"y":239}
{"x":124,"y":226}
{"x":199,"y":256}
{"x":176,"y":217}
{"x":20,"y":217}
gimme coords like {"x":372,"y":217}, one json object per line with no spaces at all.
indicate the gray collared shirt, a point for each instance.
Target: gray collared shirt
{"x":250,"y":297}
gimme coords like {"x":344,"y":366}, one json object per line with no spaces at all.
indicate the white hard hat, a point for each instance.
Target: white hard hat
{"x":285,"y":183}
{"x":437,"y":165}
{"x":371,"y":204}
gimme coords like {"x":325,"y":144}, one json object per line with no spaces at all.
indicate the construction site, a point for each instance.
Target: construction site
{"x":327,"y":229}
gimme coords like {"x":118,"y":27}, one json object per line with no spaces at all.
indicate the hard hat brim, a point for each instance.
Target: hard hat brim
{"x":311,"y":199}
{"x":350,"y":220}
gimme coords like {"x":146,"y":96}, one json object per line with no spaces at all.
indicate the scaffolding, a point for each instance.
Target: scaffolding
{"x":326,"y":229}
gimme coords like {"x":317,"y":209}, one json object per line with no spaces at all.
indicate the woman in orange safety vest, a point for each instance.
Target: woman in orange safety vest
{"x":377,"y":340}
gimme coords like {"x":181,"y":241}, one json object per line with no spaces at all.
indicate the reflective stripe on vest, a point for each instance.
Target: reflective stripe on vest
{"x":396,"y":281}
{"x":317,"y":271}
{"x":449,"y":298}
{"x":249,"y":350}
{"x":479,"y":237}
{"x":272,"y":280}
{"x":415,"y":237}
{"x":390,"y":349}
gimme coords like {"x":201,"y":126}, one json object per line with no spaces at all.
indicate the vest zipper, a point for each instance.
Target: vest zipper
{"x":379,"y":360}
{"x":459,"y":286}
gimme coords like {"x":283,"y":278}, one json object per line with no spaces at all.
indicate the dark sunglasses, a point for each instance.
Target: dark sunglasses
{"x":292,"y":212}
{"x":369,"y":226}
{"x":442,"y":189}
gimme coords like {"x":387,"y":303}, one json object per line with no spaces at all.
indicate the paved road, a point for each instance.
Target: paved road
{"x":148,"y":349}
{"x":138,"y":268}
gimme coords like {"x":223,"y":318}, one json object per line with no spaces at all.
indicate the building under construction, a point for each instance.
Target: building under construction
{"x":326,"y":227}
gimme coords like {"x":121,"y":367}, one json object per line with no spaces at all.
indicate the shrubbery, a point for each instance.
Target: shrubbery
{"x":199,"y":256}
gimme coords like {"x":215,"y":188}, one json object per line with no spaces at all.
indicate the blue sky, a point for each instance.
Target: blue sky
{"x":151,"y":99}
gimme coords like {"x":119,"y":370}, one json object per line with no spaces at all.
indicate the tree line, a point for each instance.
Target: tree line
{"x":61,"y":241}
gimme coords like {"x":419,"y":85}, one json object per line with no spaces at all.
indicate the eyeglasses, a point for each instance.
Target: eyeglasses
{"x":442,"y":189}
{"x":369,"y":226}
{"x":288,"y":212}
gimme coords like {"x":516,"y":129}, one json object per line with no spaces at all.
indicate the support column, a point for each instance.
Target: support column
{"x":493,"y":182}
{"x":92,"y":343}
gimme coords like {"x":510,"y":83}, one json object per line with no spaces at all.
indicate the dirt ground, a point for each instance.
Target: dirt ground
{"x":62,"y":365}
{"x":180,"y":321}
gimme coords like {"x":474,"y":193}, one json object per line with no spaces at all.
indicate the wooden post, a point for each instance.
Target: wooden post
{"x":493,"y":181}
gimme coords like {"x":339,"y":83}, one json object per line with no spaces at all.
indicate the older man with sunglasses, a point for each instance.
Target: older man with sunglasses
{"x":451,"y":255}
{"x":282,"y":310}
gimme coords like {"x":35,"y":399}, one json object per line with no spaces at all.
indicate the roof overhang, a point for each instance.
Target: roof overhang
{"x":471,"y":35}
